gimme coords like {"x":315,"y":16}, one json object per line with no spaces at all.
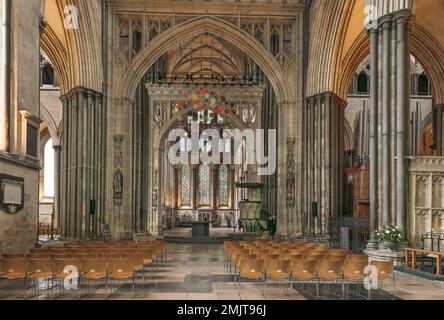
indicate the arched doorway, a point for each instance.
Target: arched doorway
{"x":250,"y":66}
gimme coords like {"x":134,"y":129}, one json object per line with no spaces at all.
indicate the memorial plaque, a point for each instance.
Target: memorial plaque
{"x":11,"y":193}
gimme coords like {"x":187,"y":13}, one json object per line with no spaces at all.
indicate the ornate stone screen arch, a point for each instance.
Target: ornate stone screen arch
{"x":281,"y":69}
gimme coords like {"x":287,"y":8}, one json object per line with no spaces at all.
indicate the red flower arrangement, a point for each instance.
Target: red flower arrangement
{"x":203,"y":99}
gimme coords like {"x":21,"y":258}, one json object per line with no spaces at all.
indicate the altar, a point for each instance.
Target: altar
{"x":200,"y":228}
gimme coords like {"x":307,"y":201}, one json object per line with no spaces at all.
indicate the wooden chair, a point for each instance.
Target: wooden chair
{"x":62,"y":271}
{"x":252,"y":269}
{"x":336,"y":257}
{"x":277,"y":271}
{"x":314,"y":257}
{"x":240,"y":258}
{"x":40,"y":270}
{"x":268,"y":256}
{"x":233,"y":255}
{"x":303,"y":270}
{"x":85,"y":255}
{"x":259,"y":251}
{"x":329,"y":272}
{"x":38,"y":256}
{"x":354,"y":273}
{"x":357,"y":257}
{"x":62,"y":255}
{"x":137,"y":261}
{"x":121,"y":271}
{"x":93,"y":270}
{"x":385,"y":270}
{"x":291,"y":257}
{"x":109,"y":256}
{"x":15,"y":269}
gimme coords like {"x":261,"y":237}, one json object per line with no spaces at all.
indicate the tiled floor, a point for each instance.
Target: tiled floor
{"x":196,"y":272}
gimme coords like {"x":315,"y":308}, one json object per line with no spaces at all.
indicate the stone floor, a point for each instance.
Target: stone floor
{"x":197,"y":272}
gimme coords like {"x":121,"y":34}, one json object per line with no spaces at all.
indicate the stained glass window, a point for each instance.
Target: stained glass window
{"x":48,"y":178}
{"x":223,"y":185}
{"x":204,"y":186}
{"x":186,"y":185}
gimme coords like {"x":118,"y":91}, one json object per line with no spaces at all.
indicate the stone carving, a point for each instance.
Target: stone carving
{"x":118,"y":182}
{"x":249,"y":114}
{"x":118,"y":170}
{"x":155,"y":189}
{"x":422,"y":212}
{"x":291,"y":171}
{"x":153,"y":26}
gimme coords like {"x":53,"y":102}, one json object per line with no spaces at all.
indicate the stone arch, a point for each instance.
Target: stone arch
{"x":348,"y":136}
{"x":190,"y":29}
{"x":51,"y":124}
{"x":75,"y":54}
{"x":332,"y":65}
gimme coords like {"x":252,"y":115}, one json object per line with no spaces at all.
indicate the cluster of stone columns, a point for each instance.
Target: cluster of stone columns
{"x":82,"y":191}
{"x":389,"y":119}
{"x":323,"y":163}
{"x":438,"y":129}
{"x":5,"y":73}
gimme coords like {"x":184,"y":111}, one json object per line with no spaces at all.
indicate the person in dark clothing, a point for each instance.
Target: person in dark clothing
{"x":271,"y":226}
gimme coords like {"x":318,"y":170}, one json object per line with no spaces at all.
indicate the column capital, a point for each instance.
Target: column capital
{"x":385,"y":21}
{"x":372,"y":29}
{"x":403,"y":16}
{"x":57,"y":148}
{"x":438,"y":106}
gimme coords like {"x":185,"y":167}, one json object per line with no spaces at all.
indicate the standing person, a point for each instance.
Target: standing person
{"x":270,"y":224}
{"x":239,"y":225}
{"x":274,"y":226}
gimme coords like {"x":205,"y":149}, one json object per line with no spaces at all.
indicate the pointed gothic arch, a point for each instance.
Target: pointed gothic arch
{"x":201,"y":25}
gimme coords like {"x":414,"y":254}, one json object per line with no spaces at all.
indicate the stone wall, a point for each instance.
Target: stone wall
{"x":426,"y":212}
{"x":18,"y":232}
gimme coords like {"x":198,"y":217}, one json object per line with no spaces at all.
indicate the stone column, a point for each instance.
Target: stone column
{"x":57,"y":182}
{"x":325,"y":149}
{"x":438,"y":129}
{"x":386,"y":22}
{"x":374,"y":98}
{"x":5,"y":74}
{"x":64,"y":167}
{"x":402,"y":107}
{"x":81,"y":159}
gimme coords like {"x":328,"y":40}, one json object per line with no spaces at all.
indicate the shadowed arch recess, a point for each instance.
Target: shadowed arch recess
{"x":202,"y":25}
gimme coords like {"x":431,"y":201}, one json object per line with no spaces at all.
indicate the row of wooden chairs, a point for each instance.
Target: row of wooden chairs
{"x":285,"y":259}
{"x":55,"y":271}
{"x":104,"y":262}
{"x":296,"y":251}
{"x":350,"y":271}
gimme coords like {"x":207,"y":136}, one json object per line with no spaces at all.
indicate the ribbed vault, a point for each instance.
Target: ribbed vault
{"x":75,"y":53}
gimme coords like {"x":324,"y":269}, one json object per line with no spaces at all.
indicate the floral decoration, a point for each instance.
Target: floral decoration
{"x":205,"y":99}
{"x":389,"y":233}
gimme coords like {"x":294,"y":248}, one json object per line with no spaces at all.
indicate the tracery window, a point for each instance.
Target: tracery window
{"x":186,"y":185}
{"x":204,"y":184}
{"x":223,"y":185}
